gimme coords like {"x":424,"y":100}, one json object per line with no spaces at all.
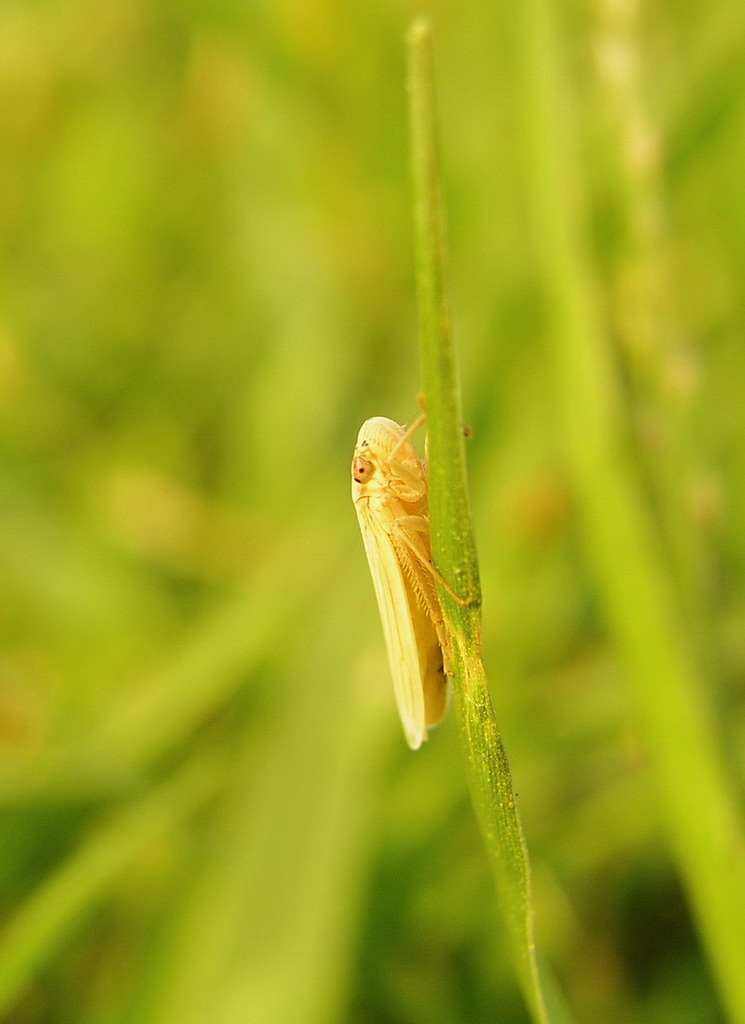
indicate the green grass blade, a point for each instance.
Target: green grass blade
{"x":627,"y":548}
{"x":267,"y":931}
{"x":454,"y":548}
{"x":76,"y":888}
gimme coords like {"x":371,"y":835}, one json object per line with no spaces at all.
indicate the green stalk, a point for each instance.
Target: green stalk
{"x":454,"y":548}
{"x":628,"y":551}
{"x":72,"y":892}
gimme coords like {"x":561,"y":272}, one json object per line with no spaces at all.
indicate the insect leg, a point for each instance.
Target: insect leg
{"x":409,"y":432}
{"x":422,"y":589}
{"x":410,"y":531}
{"x":416,"y":486}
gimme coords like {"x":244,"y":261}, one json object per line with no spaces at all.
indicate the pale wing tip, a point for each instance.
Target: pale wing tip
{"x":415,"y":735}
{"x":418,"y":733}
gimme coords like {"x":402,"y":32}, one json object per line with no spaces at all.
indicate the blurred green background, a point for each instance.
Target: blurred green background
{"x":206,"y":281}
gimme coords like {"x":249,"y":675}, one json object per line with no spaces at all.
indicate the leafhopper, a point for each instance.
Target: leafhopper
{"x":389,"y":490}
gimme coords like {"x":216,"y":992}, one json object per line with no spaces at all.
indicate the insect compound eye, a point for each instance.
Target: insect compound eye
{"x":362,"y":470}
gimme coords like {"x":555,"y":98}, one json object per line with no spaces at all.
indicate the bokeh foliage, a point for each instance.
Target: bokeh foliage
{"x":206,"y":277}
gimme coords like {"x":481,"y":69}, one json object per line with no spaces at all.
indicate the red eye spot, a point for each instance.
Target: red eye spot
{"x":361,"y":470}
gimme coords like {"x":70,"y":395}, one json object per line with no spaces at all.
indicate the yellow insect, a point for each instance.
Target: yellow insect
{"x":389,"y":490}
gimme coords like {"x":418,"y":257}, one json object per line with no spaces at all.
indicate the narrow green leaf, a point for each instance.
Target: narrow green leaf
{"x":629,"y":548}
{"x":454,"y":548}
{"x":72,"y":892}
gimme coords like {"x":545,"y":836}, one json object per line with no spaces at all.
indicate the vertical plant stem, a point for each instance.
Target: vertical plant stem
{"x":660,"y":364}
{"x":454,"y":548}
{"x":626,"y":548}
